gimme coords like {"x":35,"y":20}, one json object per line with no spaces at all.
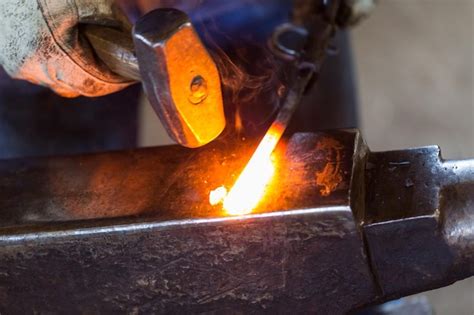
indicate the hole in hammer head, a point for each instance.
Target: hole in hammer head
{"x":198,"y":89}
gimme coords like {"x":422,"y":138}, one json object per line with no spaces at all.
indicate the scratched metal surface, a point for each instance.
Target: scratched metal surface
{"x":298,"y":260}
{"x":322,"y":233}
{"x":261,"y":265}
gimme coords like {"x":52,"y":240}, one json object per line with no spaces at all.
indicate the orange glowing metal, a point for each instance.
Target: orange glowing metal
{"x":251,"y":185}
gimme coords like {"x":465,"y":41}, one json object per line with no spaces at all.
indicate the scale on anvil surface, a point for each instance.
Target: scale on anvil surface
{"x":338,"y":228}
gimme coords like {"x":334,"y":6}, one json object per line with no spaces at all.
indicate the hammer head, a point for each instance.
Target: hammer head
{"x":179,"y":77}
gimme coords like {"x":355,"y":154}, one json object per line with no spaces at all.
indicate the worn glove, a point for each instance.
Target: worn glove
{"x":40,"y":42}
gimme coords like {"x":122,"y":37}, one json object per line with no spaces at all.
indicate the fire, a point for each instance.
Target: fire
{"x":251,"y":185}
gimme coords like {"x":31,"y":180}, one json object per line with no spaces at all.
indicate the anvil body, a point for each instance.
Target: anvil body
{"x":132,"y":231}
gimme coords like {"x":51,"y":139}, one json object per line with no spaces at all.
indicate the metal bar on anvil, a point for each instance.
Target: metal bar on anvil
{"x":128,"y":231}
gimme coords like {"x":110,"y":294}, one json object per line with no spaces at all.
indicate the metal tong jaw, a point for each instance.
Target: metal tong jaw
{"x":179,"y":76}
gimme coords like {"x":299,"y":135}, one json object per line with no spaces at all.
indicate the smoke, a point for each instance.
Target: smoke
{"x":243,"y":85}
{"x":252,"y":77}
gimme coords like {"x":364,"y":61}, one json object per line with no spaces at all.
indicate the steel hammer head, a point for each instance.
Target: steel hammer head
{"x":179,"y":77}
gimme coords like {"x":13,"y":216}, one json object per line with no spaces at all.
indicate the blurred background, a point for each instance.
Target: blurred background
{"x":414,"y":63}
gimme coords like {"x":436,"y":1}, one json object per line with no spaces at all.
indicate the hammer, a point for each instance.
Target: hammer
{"x":179,"y":76}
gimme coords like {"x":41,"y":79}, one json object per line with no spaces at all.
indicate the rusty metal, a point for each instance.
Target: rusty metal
{"x":179,"y":76}
{"x":133,"y":231}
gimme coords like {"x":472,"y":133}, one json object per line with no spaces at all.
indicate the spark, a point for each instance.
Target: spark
{"x":217,"y":195}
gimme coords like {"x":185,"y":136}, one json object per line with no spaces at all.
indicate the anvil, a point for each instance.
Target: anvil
{"x":340,"y":228}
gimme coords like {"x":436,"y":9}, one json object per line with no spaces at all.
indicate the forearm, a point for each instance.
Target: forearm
{"x":40,"y":42}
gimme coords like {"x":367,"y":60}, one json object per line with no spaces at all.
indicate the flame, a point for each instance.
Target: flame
{"x":251,"y":185}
